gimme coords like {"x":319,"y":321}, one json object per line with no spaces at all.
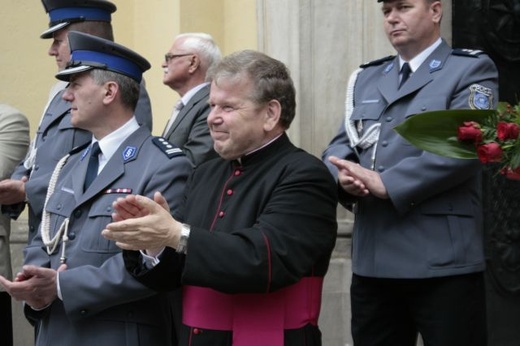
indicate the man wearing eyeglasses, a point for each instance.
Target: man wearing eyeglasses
{"x":185,"y":67}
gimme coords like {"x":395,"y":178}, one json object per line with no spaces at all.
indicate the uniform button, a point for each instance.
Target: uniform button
{"x":36,"y":167}
{"x":109,"y":209}
{"x":83,"y":312}
{"x":423,"y":108}
{"x":77,"y":213}
{"x":381,"y":168}
{"x":197,"y":331}
{"x":221,"y":214}
{"x":229,"y":192}
{"x":44,"y":138}
{"x":72,"y":235}
{"x":389,"y":119}
{"x":384,"y":143}
{"x":237,"y":172}
{"x":59,"y":206}
{"x":31,"y":229}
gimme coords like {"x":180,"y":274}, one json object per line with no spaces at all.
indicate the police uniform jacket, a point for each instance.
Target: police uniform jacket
{"x":431,"y":224}
{"x":102,"y":304}
{"x":55,"y":137}
{"x":190,"y":130}
{"x":256,"y":226}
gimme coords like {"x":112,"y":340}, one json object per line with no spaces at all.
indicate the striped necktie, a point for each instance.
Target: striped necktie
{"x":178,"y":107}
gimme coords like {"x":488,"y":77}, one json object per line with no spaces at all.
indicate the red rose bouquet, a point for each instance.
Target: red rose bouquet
{"x":491,"y":136}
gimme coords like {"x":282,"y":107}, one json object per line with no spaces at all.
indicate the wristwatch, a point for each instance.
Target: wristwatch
{"x":182,"y":247}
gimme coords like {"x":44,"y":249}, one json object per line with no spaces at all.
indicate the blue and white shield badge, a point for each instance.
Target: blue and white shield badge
{"x":480,"y":97}
{"x":435,"y":65}
{"x":129,"y":153}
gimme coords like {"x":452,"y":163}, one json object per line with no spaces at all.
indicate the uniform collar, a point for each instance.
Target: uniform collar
{"x":421,"y":57}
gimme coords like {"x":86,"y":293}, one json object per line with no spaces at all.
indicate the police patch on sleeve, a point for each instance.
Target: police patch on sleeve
{"x":480,"y":97}
{"x":166,"y":147}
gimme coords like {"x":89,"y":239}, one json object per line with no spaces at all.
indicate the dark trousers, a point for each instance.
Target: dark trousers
{"x":6,"y":320}
{"x":446,"y":311}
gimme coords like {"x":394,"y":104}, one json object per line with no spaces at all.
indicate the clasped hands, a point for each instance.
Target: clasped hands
{"x":357,"y":180}
{"x":141,"y":223}
{"x":12,"y":191}
{"x":36,"y":286}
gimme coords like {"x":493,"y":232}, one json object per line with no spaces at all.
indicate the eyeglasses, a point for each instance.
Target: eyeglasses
{"x":169,"y":56}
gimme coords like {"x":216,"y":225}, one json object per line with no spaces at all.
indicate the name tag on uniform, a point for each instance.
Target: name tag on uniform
{"x":369,"y":101}
{"x":67,"y":190}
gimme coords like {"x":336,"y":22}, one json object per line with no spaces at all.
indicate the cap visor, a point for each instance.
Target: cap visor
{"x":48,"y":33}
{"x":64,"y":75}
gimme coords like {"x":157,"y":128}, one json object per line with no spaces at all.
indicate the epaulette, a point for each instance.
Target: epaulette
{"x":377,"y":62}
{"x":169,"y":149}
{"x":474,"y":53}
{"x":79,"y":148}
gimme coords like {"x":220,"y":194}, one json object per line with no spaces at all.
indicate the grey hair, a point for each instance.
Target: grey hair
{"x":271,"y":79}
{"x":204,"y":45}
{"x":128,"y":88}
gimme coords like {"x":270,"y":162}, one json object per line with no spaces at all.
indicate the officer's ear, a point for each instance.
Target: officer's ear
{"x":436,"y":9}
{"x":111,"y":89}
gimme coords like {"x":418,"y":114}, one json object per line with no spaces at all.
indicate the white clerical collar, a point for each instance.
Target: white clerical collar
{"x":263,"y":146}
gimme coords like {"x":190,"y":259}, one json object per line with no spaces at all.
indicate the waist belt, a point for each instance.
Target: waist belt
{"x":254,"y":319}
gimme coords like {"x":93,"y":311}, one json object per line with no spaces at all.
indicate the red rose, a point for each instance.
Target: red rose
{"x":470,"y":131}
{"x":507,"y":130}
{"x":489,"y":152}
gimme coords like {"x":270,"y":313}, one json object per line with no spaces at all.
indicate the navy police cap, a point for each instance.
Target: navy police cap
{"x":89,"y":52}
{"x":65,"y":12}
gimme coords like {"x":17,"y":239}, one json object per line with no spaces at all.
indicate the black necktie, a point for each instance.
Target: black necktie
{"x":93,"y":165}
{"x":405,"y":73}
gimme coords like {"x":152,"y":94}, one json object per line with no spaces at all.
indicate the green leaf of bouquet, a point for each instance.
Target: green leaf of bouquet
{"x":436,"y":131}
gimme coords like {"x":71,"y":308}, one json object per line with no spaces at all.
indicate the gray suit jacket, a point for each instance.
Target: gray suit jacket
{"x":190,"y":130}
{"x":431,"y":224}
{"x":55,"y":137}
{"x":14,"y":140}
{"x":102,"y":304}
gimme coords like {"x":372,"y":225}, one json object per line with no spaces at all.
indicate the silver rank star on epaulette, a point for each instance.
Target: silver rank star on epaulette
{"x":472,"y":51}
{"x":467,"y":52}
{"x":166,"y":147}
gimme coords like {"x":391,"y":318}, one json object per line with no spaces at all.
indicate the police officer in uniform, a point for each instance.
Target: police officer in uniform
{"x":55,"y":135}
{"x":417,"y":255}
{"x":73,"y":280}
